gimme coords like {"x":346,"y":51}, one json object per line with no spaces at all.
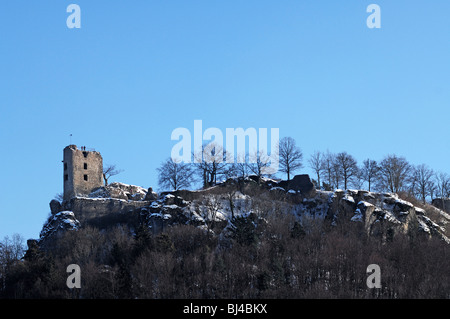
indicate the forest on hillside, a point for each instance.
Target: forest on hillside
{"x":272,"y":257}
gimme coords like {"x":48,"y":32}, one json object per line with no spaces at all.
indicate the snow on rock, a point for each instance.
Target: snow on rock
{"x":358,"y":217}
{"x":315,"y":207}
{"x":348,"y":198}
{"x":378,"y":212}
{"x":57,"y":224}
{"x":364,"y":204}
{"x":155,"y":205}
{"x":120,"y":191}
{"x":431,"y":228}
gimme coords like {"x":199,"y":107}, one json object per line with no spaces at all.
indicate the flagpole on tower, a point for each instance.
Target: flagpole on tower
{"x":70,"y":139}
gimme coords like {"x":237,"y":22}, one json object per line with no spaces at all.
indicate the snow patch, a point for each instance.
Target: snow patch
{"x":358,"y":217}
{"x":348,"y":198}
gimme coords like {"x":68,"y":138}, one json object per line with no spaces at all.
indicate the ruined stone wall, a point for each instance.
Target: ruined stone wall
{"x":104,"y":211}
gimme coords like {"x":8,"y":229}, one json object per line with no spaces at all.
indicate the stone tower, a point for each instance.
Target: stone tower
{"x":83,"y":171}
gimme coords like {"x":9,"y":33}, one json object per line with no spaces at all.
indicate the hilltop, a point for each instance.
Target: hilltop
{"x":380,"y":214}
{"x":243,"y":238}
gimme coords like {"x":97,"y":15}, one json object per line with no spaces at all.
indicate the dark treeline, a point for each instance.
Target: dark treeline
{"x":263,"y":258}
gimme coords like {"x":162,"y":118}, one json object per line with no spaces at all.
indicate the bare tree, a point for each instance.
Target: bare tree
{"x":422,"y":175}
{"x":259,"y":164}
{"x":358,"y":180}
{"x":11,"y":251}
{"x":432,"y":188}
{"x":109,"y":171}
{"x":394,"y":173}
{"x":442,"y":182}
{"x":211,"y":206}
{"x":231,"y":192}
{"x":175,"y":174}
{"x":347,"y":165}
{"x":317,"y":165}
{"x":328,"y":168}
{"x":241,"y":167}
{"x":336,"y":171}
{"x":369,"y":171}
{"x":211,"y":162}
{"x":290,"y":156}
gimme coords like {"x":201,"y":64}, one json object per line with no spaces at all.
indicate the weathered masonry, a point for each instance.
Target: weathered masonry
{"x":83,"y":171}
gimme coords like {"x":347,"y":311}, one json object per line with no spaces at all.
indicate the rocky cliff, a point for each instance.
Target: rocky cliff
{"x":215,"y":209}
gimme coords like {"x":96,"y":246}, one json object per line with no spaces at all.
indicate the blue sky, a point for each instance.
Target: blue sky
{"x":136,"y":70}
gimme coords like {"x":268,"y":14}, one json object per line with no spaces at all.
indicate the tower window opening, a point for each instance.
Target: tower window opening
{"x":85,"y":165}
{"x":66,"y":177}
{"x":85,"y":154}
{"x":85,"y":177}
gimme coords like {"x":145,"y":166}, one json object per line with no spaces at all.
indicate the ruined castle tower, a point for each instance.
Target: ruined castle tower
{"x":83,"y":171}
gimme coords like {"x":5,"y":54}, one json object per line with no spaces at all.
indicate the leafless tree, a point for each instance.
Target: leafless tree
{"x":336,"y":171}
{"x":231,"y":192}
{"x":211,"y":162}
{"x":317,"y":165}
{"x":11,"y":251}
{"x":259,"y":164}
{"x":328,"y":167}
{"x":175,"y":174}
{"x":432,"y":188}
{"x":109,"y":171}
{"x":211,"y":206}
{"x":421,"y":176}
{"x":369,"y":171}
{"x":394,"y":173}
{"x":241,"y":167}
{"x":442,"y":182}
{"x":347,"y":165}
{"x":358,"y":180}
{"x":290,"y":156}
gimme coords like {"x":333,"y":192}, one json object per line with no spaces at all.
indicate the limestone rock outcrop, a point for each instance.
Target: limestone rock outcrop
{"x":57,"y":225}
{"x":55,"y":206}
{"x":381,"y":214}
{"x":120,"y":191}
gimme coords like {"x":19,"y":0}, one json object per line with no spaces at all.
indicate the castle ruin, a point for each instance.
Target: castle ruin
{"x":83,"y":171}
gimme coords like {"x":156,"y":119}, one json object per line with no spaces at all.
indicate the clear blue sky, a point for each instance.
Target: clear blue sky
{"x":136,"y":70}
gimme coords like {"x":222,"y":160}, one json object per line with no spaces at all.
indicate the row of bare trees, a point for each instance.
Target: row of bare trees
{"x":211,"y":164}
{"x":331,"y":171}
{"x":392,"y":174}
